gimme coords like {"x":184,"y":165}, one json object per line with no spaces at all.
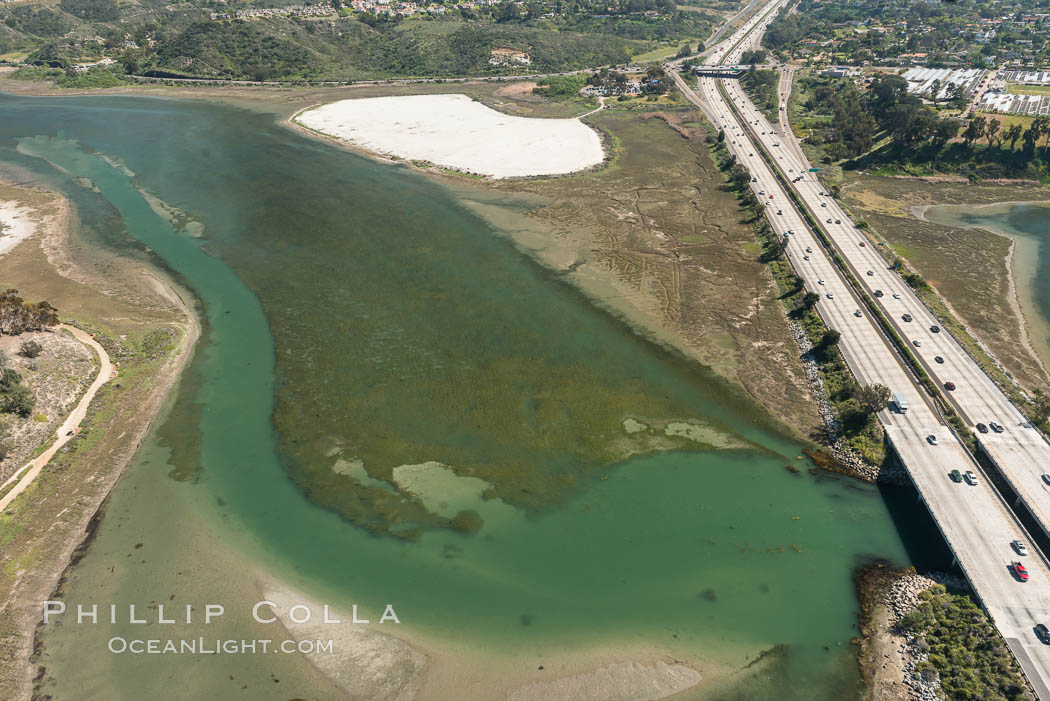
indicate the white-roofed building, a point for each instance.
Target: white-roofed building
{"x":921,"y":81}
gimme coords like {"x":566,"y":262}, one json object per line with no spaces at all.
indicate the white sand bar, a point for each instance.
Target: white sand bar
{"x":16,"y":225}
{"x":456,"y":132}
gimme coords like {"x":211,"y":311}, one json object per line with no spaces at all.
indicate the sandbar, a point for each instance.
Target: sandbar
{"x":16,"y":225}
{"x":454,"y":131}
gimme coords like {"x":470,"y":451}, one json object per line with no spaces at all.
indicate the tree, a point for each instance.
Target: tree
{"x":935,"y":89}
{"x":1040,"y":407}
{"x":18,"y":401}
{"x":775,"y":250}
{"x":30,"y":349}
{"x":5,"y":438}
{"x":131,"y":65}
{"x":685,"y":51}
{"x":830,"y":338}
{"x":974,"y":130}
{"x":14,"y":396}
{"x":944,"y":131}
{"x":753,"y":57}
{"x":873,"y":398}
{"x":739,"y":175}
{"x":1028,"y":139}
{"x":508,"y":12}
{"x":48,"y":55}
{"x":991,"y":129}
{"x":810,"y":299}
{"x":655,"y":80}
{"x":17,"y":315}
{"x":1041,"y":127}
{"x":1013,"y":133}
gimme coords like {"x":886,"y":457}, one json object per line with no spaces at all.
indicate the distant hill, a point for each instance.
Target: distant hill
{"x":282,"y":40}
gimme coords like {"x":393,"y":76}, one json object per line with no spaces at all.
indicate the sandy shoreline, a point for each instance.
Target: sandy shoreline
{"x":396,"y":665}
{"x":49,"y":237}
{"x":373,"y":665}
{"x":607,"y":670}
{"x":16,"y":225}
{"x":1031,"y":324}
{"x":454,"y":131}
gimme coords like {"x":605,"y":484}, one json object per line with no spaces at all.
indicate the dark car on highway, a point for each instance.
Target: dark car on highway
{"x":939,"y":359}
{"x":906,"y":317}
{"x":1043,"y":633}
{"x":982,"y":428}
{"x":950,"y":386}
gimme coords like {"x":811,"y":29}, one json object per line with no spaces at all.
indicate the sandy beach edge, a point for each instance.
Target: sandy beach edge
{"x":1021,"y":296}
{"x":53,"y":234}
{"x":402,"y":666}
{"x":16,"y":225}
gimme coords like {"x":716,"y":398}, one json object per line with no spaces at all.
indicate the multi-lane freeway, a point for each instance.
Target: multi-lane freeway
{"x":974,"y":519}
{"x":1020,"y":452}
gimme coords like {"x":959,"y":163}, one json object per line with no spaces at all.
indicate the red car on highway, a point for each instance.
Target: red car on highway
{"x":1020,"y":571}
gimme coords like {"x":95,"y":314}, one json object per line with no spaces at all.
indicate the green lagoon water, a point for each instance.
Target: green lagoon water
{"x":1029,"y":225}
{"x":357,"y":315}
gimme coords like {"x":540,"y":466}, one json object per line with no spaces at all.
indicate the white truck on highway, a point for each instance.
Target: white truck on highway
{"x":900,"y":404}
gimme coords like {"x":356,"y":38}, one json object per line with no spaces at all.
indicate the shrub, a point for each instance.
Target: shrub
{"x":965,"y":651}
{"x":30,"y":349}
{"x":560,"y":85}
{"x":18,"y":400}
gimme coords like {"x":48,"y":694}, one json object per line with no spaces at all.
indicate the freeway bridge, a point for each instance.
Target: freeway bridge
{"x":720,"y":71}
{"x":866,"y":300}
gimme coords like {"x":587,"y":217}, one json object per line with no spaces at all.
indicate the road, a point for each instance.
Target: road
{"x":975,"y":521}
{"x":1021,"y":453}
{"x":67,"y":430}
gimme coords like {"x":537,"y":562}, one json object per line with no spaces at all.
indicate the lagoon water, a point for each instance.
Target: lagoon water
{"x":1028,"y":224}
{"x":358,"y":315}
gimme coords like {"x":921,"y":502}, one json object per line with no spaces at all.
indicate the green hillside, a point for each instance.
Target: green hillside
{"x":319,"y":42}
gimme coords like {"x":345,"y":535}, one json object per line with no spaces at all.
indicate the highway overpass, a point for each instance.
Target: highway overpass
{"x":976,"y":522}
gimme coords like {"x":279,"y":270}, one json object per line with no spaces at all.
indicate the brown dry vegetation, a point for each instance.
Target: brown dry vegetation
{"x":147,"y":332}
{"x":506,"y":97}
{"x":967,"y":267}
{"x":57,"y":378}
{"x":660,"y":224}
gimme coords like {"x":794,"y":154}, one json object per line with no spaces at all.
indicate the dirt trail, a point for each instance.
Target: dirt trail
{"x":69,"y":427}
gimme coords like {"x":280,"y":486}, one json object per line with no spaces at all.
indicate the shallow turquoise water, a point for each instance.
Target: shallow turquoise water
{"x":708,"y":553}
{"x":1028,"y":220}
